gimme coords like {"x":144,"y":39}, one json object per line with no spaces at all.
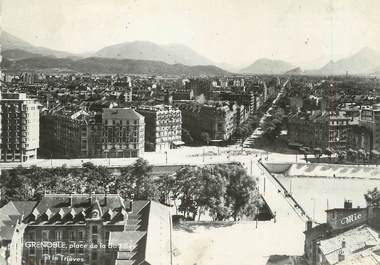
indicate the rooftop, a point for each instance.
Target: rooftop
{"x":121,"y":113}
{"x":350,"y":243}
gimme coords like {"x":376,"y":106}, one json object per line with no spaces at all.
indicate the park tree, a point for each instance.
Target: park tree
{"x":15,"y":186}
{"x":372,"y":197}
{"x":211,"y":194}
{"x":135,"y":181}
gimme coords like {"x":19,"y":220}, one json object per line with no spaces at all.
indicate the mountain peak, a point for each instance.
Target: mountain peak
{"x":268,"y":66}
{"x":362,"y":62}
{"x":145,"y":50}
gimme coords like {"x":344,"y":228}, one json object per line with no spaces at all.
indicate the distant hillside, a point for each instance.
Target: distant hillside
{"x":16,"y":54}
{"x":144,"y":50}
{"x":295,"y":71}
{"x":365,"y":61}
{"x":267,"y":66}
{"x":105,"y":65}
{"x":10,"y":42}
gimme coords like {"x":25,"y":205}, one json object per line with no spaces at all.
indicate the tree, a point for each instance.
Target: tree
{"x":241,"y":193}
{"x":97,"y":178}
{"x":136,"y":182}
{"x":186,"y":136}
{"x":211,"y":193}
{"x":15,"y":186}
{"x":372,"y":197}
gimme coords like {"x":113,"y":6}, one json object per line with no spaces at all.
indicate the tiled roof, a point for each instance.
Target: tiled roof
{"x":121,"y":113}
{"x":66,"y":208}
{"x":10,"y":214}
{"x":371,"y":259}
{"x":127,"y":240}
{"x":356,"y":240}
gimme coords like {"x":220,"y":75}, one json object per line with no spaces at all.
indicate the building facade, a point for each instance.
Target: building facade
{"x":347,"y":234}
{"x":216,"y":119}
{"x":19,"y":128}
{"x":370,"y":119}
{"x":318,"y":130}
{"x":123,"y":133}
{"x":115,"y":132}
{"x":163,"y":126}
{"x":95,"y":229}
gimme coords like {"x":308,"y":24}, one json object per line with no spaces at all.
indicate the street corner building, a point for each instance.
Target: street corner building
{"x":350,"y":236}
{"x":109,"y":133}
{"x":19,"y":127}
{"x":83,"y":229}
{"x":163,"y":127}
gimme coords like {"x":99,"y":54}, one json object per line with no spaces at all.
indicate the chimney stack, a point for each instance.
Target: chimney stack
{"x":71,"y":203}
{"x":90,"y":197}
{"x":106,"y":191}
{"x":309,"y":225}
{"x":341,"y":256}
{"x":347,"y":204}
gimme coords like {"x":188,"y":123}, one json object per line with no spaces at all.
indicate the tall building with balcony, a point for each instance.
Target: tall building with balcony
{"x":123,"y":133}
{"x":68,"y":134}
{"x":163,"y":126}
{"x":112,"y":133}
{"x":370,"y":119}
{"x":318,"y":130}
{"x":19,"y":128}
{"x":216,"y":119}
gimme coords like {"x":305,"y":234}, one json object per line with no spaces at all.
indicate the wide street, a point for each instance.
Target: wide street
{"x":183,"y":155}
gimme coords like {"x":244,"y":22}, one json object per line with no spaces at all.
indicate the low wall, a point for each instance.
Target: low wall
{"x":325,"y":170}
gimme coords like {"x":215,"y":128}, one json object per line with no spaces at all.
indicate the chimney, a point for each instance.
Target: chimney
{"x":309,"y":225}
{"x":131,"y":202}
{"x":106,"y":191}
{"x":71,"y":200}
{"x":343,"y":243}
{"x":90,"y":198}
{"x":347,"y":204}
{"x":341,"y":256}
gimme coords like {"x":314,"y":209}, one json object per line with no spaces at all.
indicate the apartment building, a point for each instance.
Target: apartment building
{"x":318,"y":130}
{"x":163,"y":126}
{"x":217,"y":119}
{"x":115,"y":132}
{"x":93,"y":229}
{"x":370,"y":119}
{"x":123,"y":133}
{"x":19,"y":128}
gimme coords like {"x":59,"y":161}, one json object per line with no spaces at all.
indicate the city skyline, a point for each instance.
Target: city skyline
{"x":305,"y":34}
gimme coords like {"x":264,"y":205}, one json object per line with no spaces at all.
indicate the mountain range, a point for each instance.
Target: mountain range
{"x":144,"y":50}
{"x":134,"y":58}
{"x":150,"y":58}
{"x":267,"y":66}
{"x":107,"y":65}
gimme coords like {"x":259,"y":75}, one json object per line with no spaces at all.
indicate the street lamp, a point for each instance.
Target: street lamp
{"x":166,"y":157}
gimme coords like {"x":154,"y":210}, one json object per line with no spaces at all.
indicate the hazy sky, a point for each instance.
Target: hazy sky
{"x":232,"y":31}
